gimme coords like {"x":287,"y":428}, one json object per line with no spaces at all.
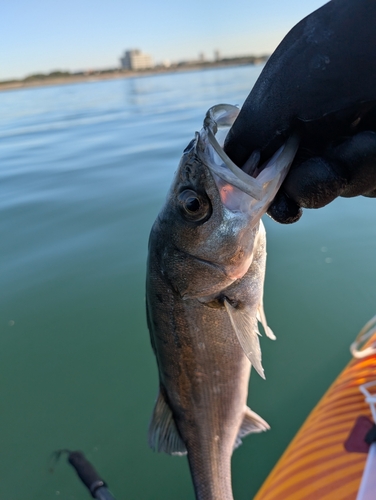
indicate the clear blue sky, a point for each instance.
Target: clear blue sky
{"x":45,"y":35}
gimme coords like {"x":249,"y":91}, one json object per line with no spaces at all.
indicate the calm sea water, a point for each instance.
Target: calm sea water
{"x":84,"y":170}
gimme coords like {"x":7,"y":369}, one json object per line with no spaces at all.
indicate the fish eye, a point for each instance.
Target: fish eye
{"x":194,"y":206}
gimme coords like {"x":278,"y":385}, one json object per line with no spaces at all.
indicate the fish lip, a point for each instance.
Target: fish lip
{"x":261,"y":188}
{"x":240,"y":179}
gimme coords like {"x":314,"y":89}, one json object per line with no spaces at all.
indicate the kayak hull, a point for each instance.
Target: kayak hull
{"x":316,"y":465}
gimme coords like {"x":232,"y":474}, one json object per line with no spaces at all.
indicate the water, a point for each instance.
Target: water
{"x":84,"y":170}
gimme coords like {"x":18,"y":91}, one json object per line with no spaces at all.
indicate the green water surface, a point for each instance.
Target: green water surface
{"x":84,"y":170}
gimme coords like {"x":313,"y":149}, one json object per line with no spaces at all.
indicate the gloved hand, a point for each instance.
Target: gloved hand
{"x":321,"y":83}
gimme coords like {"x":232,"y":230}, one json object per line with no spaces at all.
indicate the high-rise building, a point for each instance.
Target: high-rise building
{"x":135,"y":59}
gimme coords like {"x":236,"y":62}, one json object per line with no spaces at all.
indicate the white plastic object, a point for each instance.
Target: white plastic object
{"x":370,"y":397}
{"x":365,"y":333}
{"x":367,"y":489}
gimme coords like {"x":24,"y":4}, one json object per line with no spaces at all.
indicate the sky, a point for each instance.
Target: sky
{"x":39,"y":36}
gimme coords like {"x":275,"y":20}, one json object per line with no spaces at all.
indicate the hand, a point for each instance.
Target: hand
{"x":320,"y":82}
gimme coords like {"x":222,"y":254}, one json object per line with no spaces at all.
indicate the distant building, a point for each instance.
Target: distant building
{"x":217,"y":56}
{"x":135,"y":59}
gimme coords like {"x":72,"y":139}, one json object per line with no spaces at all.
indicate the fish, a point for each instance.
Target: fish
{"x":204,"y":299}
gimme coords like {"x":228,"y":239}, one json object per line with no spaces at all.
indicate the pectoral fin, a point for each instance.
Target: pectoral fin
{"x":244,"y":323}
{"x":163,"y":434}
{"x":251,"y":423}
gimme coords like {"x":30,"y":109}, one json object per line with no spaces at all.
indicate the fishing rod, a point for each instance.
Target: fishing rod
{"x":88,"y":475}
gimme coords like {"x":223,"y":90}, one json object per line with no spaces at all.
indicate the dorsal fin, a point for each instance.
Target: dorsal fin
{"x":163,"y":434}
{"x":251,"y":423}
{"x":244,"y":322}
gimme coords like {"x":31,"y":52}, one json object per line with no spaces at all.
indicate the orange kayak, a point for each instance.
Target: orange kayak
{"x":316,"y":466}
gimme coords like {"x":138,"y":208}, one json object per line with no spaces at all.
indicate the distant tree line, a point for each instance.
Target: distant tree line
{"x":40,"y":77}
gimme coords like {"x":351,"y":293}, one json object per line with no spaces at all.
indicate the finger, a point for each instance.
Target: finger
{"x":314,"y":183}
{"x":284,"y":210}
{"x":370,"y":194}
{"x":348,"y":169}
{"x":356,"y":159}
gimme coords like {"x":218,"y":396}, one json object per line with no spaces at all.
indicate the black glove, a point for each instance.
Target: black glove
{"x":321,"y":83}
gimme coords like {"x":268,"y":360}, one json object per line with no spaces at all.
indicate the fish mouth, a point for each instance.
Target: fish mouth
{"x":224,"y":115}
{"x":269,"y":176}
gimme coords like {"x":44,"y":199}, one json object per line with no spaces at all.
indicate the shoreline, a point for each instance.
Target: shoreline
{"x":118,"y":75}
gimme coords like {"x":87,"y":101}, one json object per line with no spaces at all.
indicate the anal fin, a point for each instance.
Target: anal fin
{"x":163,"y":434}
{"x":251,"y":423}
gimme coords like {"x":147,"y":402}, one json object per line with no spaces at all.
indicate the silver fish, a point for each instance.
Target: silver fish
{"x":204,"y":286}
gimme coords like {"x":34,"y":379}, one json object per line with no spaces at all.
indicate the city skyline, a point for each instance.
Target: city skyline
{"x":82,"y":35}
